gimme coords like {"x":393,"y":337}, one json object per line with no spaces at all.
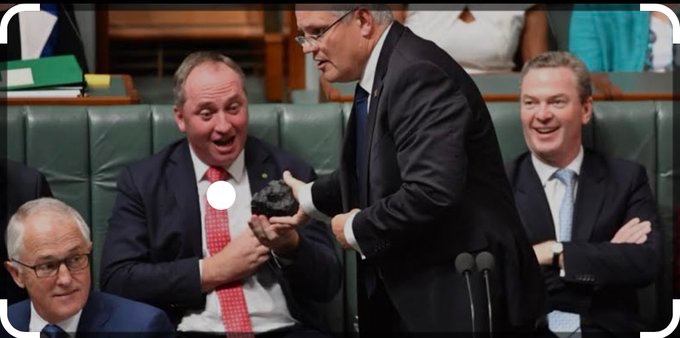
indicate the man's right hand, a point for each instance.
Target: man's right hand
{"x":239,"y":259}
{"x":633,"y":232}
{"x":300,"y":217}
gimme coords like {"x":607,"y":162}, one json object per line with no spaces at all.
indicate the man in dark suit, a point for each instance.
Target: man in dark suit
{"x":49,"y":248}
{"x":20,"y":185}
{"x":158,"y":245}
{"x":592,"y":220}
{"x":421,"y":181}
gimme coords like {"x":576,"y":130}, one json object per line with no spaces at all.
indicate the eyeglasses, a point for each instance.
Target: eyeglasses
{"x":49,"y":269}
{"x":313,"y":40}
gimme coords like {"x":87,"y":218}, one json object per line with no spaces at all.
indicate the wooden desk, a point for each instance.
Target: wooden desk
{"x":121,"y":91}
{"x":505,"y":87}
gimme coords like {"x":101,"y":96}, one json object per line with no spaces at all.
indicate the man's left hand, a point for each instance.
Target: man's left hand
{"x":283,"y":239}
{"x":338,"y":225}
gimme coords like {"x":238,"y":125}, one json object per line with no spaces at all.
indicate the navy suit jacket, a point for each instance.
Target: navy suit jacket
{"x":153,"y":243}
{"x":105,"y":313}
{"x":20,"y":185}
{"x":433,"y":186}
{"x":601,"y":278}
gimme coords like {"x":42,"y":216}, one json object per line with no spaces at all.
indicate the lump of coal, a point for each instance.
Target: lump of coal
{"x":276,"y":199}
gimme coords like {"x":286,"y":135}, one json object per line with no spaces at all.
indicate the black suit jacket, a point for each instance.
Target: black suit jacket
{"x":104,"y":313}
{"x":601,"y":277}
{"x":153,"y":242}
{"x":435,"y":187}
{"x":20,"y":185}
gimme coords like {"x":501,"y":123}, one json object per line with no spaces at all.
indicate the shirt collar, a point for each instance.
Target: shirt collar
{"x":546,"y":171}
{"x":366,"y":82}
{"x":37,"y":323}
{"x":236,"y":170}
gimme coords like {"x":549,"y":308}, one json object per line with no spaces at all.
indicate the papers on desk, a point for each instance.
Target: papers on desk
{"x":42,"y":73}
{"x":53,"y":92}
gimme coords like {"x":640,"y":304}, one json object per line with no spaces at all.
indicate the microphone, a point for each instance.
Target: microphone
{"x":486,"y":264}
{"x":464,"y":265}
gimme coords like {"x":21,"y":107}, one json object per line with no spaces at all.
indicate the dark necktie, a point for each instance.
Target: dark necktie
{"x":52,"y":331}
{"x":361,"y":112}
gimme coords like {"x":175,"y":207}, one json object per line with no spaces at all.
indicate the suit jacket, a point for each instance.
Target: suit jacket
{"x":104,"y":313}
{"x":153,"y":243}
{"x":434,"y":186}
{"x":601,"y":277}
{"x":20,"y":185}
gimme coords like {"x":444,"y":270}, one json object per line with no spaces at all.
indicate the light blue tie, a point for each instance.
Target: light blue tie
{"x":566,"y":176}
{"x":559,"y":321}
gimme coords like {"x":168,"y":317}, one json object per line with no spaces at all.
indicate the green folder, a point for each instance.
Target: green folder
{"x":62,"y":70}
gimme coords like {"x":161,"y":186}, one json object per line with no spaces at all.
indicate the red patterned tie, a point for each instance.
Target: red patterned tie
{"x":232,"y":301}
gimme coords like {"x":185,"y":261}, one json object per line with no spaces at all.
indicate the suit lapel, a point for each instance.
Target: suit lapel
{"x":589,"y":198}
{"x":95,"y":314}
{"x":388,"y":47}
{"x":181,"y":180}
{"x":532,"y":203}
{"x":260,"y":169}
{"x":20,"y":317}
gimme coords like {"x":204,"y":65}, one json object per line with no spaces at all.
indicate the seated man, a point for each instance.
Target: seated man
{"x":160,"y":245}
{"x":49,"y":250}
{"x":20,"y":184}
{"x":592,"y":220}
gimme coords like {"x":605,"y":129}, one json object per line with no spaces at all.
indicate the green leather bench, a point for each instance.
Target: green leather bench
{"x":82,"y":149}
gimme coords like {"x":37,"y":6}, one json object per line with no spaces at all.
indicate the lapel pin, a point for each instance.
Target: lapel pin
{"x":264,"y":175}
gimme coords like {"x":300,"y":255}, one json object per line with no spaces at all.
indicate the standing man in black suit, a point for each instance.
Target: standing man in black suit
{"x":420,"y":181}
{"x":592,"y":220}
{"x":160,"y":247}
{"x":20,"y":185}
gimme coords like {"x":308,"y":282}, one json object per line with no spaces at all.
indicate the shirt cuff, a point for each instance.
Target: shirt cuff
{"x":307,"y":203}
{"x":200,"y":269}
{"x":349,"y":235}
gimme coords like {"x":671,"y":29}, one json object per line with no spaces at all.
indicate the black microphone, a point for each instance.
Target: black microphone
{"x":464,"y":265}
{"x":486,"y":264}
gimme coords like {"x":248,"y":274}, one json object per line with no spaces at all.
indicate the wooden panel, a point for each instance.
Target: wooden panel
{"x":190,"y":24}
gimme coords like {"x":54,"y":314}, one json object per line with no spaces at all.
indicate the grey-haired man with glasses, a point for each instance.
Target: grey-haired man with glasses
{"x":49,"y":255}
{"x":420,"y":182}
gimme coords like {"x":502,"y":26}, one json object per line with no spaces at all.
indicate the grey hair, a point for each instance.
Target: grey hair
{"x":555,"y":59}
{"x":198,"y":58}
{"x":16,"y":227}
{"x":382,"y":13}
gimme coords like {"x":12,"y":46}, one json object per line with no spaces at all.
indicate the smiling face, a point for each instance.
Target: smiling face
{"x":214,"y":115}
{"x":553,"y":115}
{"x":50,"y":236}
{"x":342,"y":51}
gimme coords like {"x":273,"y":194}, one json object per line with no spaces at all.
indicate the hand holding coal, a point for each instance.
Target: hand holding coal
{"x":276,"y":199}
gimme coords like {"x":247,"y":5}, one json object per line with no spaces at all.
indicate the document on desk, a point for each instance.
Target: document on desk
{"x":42,"y":73}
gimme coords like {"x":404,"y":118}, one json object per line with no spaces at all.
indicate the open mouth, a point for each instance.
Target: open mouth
{"x":545,"y":130}
{"x":225,"y":142}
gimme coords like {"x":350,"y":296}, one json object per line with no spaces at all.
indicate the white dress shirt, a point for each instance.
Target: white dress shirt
{"x":554,"y":188}
{"x":37,"y":323}
{"x":487,"y":44}
{"x":305,"y":193}
{"x":266,"y":303}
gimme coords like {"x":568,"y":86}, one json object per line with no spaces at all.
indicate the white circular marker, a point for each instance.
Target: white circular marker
{"x":221,"y":195}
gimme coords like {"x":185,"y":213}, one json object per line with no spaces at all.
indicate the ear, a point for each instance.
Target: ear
{"x":587,"y":112}
{"x":179,"y":118}
{"x":366,"y":22}
{"x":16,"y":275}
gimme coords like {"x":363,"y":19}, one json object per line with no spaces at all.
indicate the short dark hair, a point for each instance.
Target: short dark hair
{"x":555,"y":59}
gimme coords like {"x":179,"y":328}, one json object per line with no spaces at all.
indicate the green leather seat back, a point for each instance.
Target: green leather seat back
{"x":313,"y":132}
{"x":119,"y":135}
